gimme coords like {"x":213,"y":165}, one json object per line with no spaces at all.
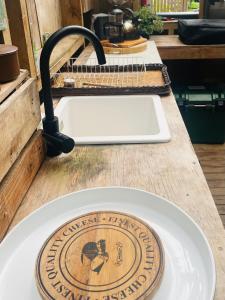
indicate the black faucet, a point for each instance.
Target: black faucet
{"x":57,"y":142}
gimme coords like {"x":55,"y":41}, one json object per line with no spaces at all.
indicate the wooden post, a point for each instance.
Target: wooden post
{"x":21,"y":33}
{"x":202,"y":9}
{"x":136,"y":5}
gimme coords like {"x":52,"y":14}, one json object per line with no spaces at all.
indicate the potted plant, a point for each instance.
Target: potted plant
{"x":193,"y":5}
{"x":149,"y":22}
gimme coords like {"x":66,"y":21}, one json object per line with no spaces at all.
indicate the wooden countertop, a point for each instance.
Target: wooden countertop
{"x":171,"y":47}
{"x":170,"y":170}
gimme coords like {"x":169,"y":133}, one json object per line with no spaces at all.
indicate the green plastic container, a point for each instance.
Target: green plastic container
{"x":203,"y":112}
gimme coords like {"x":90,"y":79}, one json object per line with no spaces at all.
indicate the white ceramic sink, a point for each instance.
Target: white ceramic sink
{"x":113,"y":119}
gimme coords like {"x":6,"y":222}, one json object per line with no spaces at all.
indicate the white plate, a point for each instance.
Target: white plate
{"x":189,"y":265}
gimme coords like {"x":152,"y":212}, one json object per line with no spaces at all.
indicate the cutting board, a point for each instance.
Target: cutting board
{"x":125,"y":50}
{"x":101,"y":255}
{"x":125,"y":44}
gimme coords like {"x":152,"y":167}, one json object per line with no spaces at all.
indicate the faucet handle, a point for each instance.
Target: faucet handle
{"x":58,"y":143}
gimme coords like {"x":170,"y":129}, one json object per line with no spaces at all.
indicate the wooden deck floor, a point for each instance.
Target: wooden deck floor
{"x":212,"y":160}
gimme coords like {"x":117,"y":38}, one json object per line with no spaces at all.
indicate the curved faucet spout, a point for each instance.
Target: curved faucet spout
{"x":50,"y":122}
{"x":45,"y":60}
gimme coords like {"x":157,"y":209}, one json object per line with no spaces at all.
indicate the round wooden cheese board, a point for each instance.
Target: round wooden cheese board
{"x":102,"y":255}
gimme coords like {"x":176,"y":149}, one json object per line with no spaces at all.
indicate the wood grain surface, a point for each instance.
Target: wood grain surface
{"x":125,"y":44}
{"x":21,"y":33}
{"x":87,"y":5}
{"x":20,"y":116}
{"x":100,"y":255}
{"x":212,"y":160}
{"x":125,"y":79}
{"x":7,"y":88}
{"x":125,"y":50}
{"x":170,"y":170}
{"x":170,"y":47}
{"x":71,"y":11}
{"x":49,"y":16}
{"x":33,"y":21}
{"x":18,"y":180}
{"x":170,"y":26}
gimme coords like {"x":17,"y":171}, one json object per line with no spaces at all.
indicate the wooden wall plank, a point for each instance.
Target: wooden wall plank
{"x":21,"y":33}
{"x":7,"y":88}
{"x":33,"y":21}
{"x":87,"y":5}
{"x":20,"y":116}
{"x":71,"y":11}
{"x":15,"y":185}
{"x":49,"y":15}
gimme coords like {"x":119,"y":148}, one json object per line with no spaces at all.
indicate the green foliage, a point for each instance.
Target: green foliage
{"x":2,"y":16}
{"x":193,"y":5}
{"x":150,"y":22}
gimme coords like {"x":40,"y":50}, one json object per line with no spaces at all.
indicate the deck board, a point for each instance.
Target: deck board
{"x":212,"y":160}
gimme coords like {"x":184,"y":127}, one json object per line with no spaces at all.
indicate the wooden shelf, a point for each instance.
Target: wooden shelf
{"x":171,"y":48}
{"x":7,"y":88}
